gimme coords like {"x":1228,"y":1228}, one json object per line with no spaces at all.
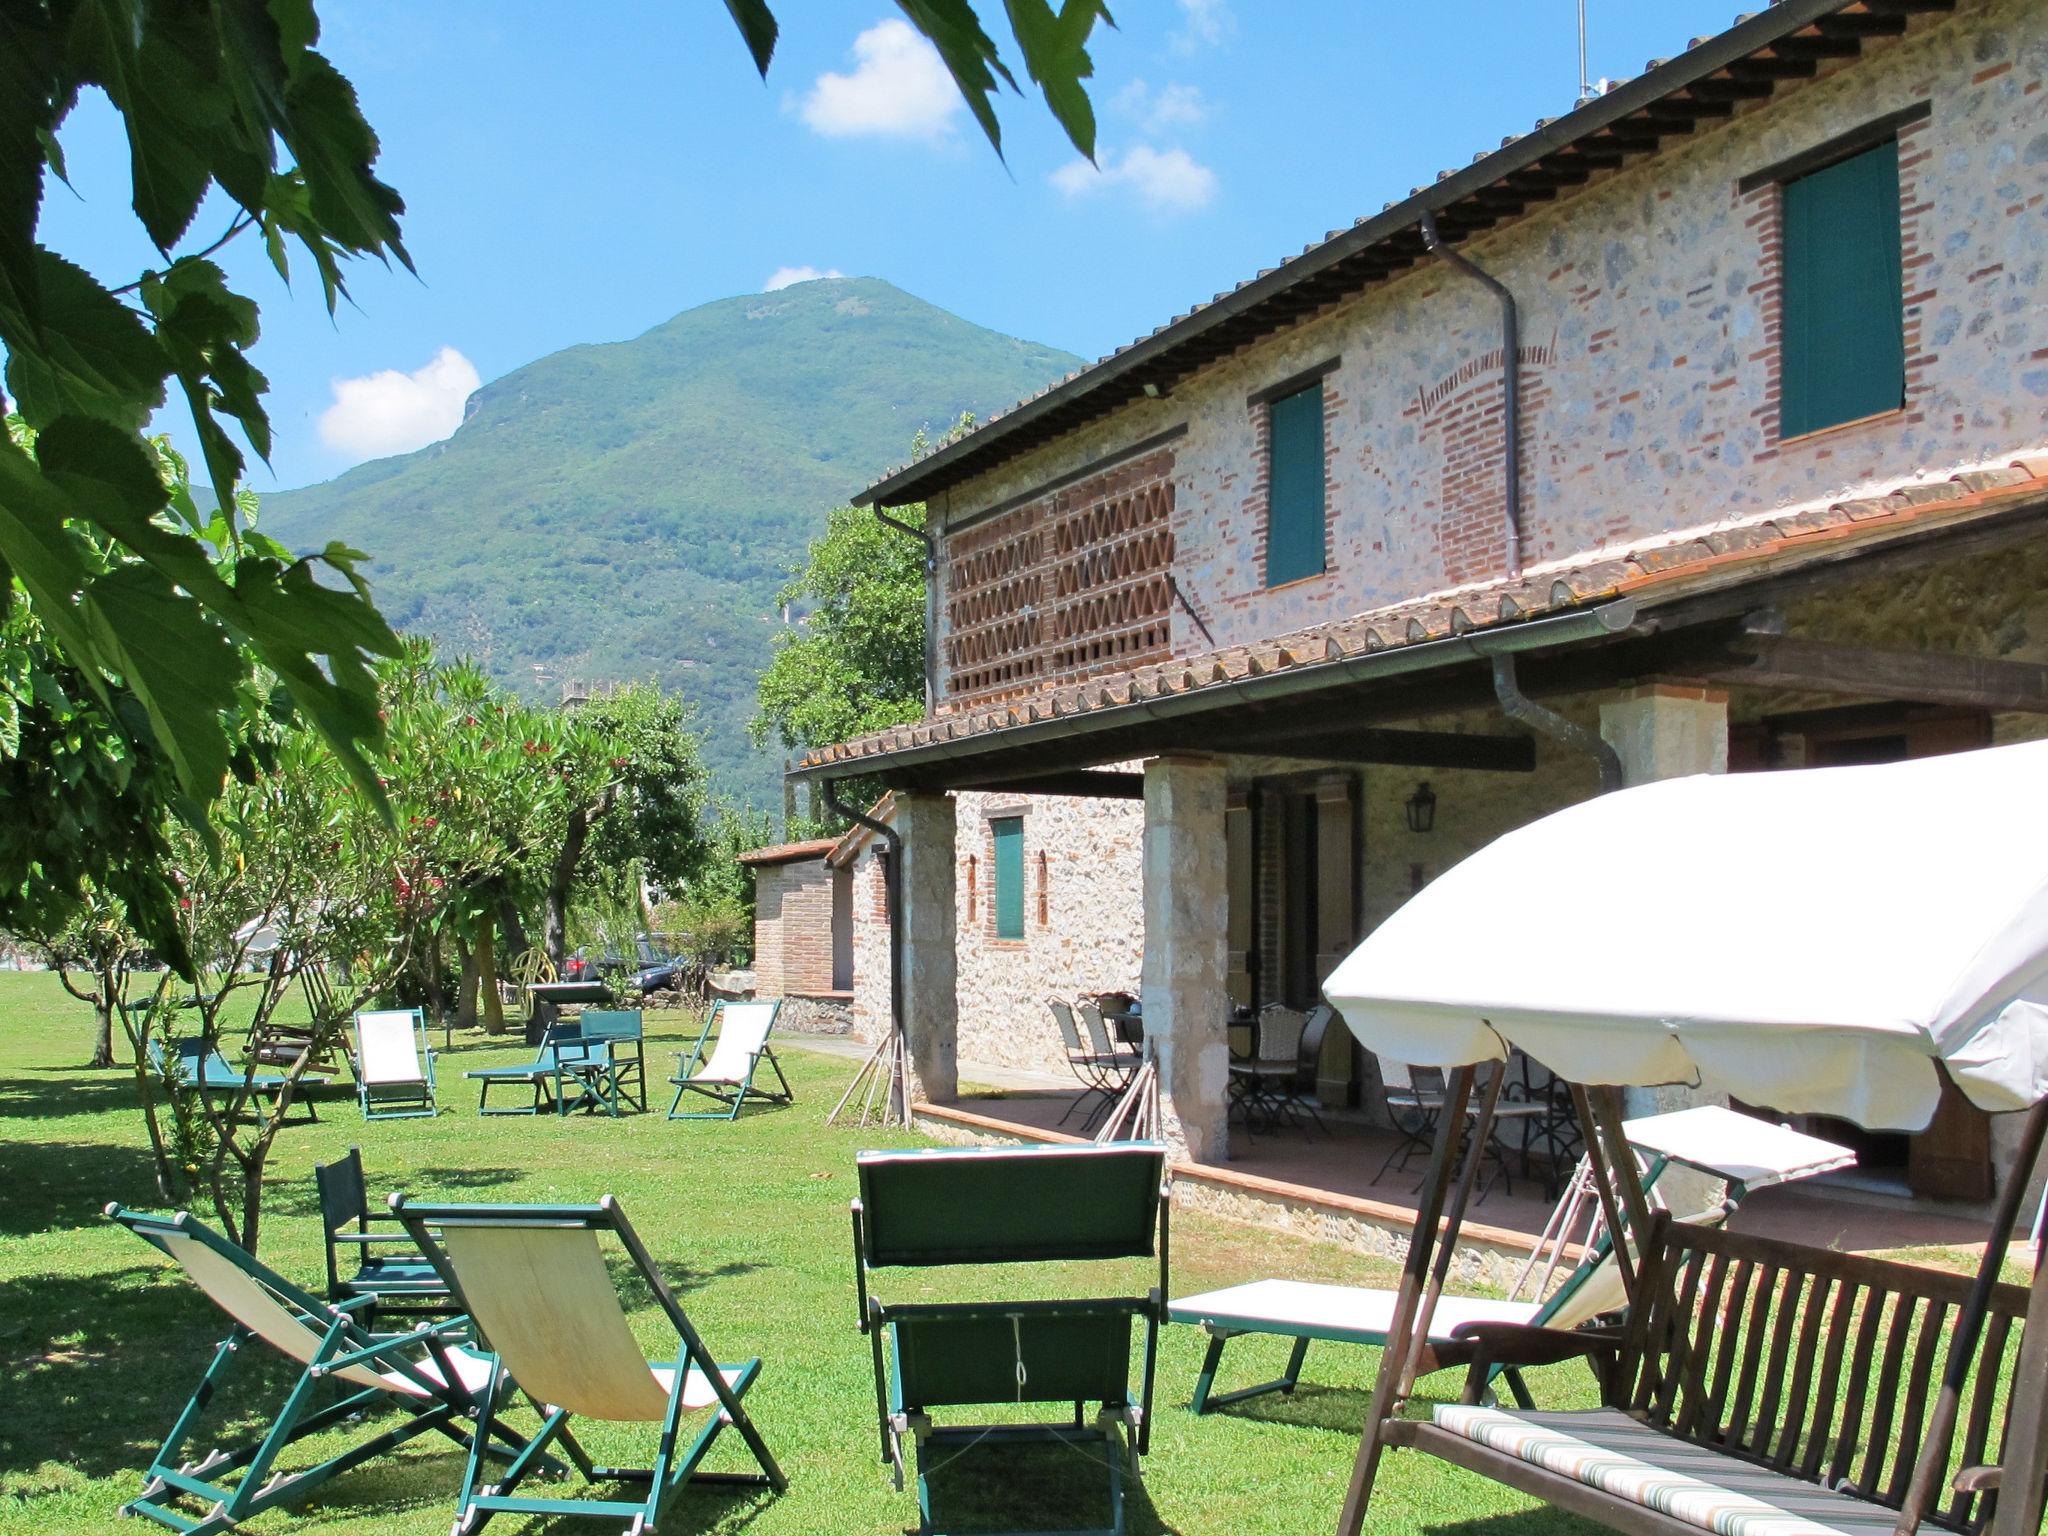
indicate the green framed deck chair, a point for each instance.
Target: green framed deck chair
{"x":542,"y":1077}
{"x":728,"y":1077}
{"x":205,"y":1069}
{"x":533,"y":1280}
{"x":394,"y":1065}
{"x":1744,"y":1152}
{"x":384,"y":1266}
{"x":1011,"y":1206}
{"x":427,"y":1376}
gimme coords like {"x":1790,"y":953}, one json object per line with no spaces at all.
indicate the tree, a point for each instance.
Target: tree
{"x":162,"y":618}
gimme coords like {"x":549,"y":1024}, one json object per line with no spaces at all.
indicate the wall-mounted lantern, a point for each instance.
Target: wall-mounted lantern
{"x":1422,"y":809}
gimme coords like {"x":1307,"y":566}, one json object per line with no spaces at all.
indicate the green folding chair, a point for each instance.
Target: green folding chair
{"x":610,"y":1073}
{"x":533,"y":1280}
{"x":426,"y":1375}
{"x":728,"y":1077}
{"x":1011,"y":1205}
{"x":383,"y":1266}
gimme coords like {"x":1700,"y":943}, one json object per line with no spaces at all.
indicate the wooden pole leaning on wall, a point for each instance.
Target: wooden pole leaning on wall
{"x":1402,"y":1334}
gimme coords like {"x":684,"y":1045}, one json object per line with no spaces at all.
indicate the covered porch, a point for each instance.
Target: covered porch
{"x":1296,"y":793}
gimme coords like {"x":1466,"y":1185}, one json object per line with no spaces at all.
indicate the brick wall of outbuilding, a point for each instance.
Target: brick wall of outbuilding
{"x":793,"y":928}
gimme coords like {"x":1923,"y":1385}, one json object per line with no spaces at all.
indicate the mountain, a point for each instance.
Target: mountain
{"x":628,"y":510}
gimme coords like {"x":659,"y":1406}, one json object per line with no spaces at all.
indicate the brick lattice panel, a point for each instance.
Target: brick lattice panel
{"x":1069,"y":586}
{"x":995,"y":575}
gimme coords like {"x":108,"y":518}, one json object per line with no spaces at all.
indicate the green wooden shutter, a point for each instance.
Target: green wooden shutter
{"x":1842,"y":352}
{"x":1009,"y":836}
{"x":1295,"y":511}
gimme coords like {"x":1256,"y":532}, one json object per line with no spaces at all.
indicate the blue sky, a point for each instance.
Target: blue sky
{"x":582,"y":172}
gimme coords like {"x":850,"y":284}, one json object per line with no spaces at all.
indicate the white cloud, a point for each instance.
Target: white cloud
{"x":1203,"y":24}
{"x":1164,"y":180}
{"x":1172,"y":106}
{"x":390,"y":412}
{"x":782,"y":277}
{"x":899,"y":88}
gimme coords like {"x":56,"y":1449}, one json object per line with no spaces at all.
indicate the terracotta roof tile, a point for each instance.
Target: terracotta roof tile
{"x":1674,"y":564}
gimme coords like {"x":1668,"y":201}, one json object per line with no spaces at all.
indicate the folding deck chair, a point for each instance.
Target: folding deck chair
{"x":394,"y":1065}
{"x":203,"y":1068}
{"x":1746,"y":1152}
{"x":533,"y":1280}
{"x":386,"y":1267}
{"x":427,"y":1375}
{"x":728,"y":1077}
{"x":1011,"y":1205}
{"x":612,"y":1070}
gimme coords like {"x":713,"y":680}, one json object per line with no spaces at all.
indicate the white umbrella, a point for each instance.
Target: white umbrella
{"x":1814,"y":941}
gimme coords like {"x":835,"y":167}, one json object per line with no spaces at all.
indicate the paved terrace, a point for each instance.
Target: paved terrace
{"x":1325,"y":1185}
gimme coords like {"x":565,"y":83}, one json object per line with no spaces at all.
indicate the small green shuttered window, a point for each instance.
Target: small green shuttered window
{"x":1295,"y":512}
{"x":1842,"y":353}
{"x":1009,"y":837}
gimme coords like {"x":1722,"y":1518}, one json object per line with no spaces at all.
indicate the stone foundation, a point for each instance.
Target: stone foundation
{"x":816,"y":1015}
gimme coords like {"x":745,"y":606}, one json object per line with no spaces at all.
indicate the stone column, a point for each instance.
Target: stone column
{"x":931,"y":1001}
{"x":1666,"y":731}
{"x":1185,"y":929}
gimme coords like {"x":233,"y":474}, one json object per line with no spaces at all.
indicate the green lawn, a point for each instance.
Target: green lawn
{"x":101,"y":1341}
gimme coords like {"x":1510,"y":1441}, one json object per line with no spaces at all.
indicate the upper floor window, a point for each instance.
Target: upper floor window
{"x":1295,"y":510}
{"x":1008,"y":833}
{"x":1842,"y":338}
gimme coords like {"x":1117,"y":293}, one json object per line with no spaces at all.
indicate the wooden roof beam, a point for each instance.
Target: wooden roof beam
{"x":1861,"y":671}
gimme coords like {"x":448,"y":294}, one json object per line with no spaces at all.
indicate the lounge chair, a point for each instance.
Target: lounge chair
{"x":394,"y":1065}
{"x":1010,"y":1205}
{"x":532,"y":1279}
{"x":1747,"y":1153}
{"x":728,"y":1077}
{"x":386,"y":1267}
{"x":547,"y":1077}
{"x":202,"y":1068}
{"x":427,"y":1375}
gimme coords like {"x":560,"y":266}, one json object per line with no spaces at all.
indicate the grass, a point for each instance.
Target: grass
{"x":101,"y":1341}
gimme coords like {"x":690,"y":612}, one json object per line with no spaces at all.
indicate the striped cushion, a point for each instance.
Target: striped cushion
{"x":1606,"y":1449}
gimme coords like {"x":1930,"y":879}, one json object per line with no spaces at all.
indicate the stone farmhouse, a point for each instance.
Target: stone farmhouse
{"x":1701,"y":429}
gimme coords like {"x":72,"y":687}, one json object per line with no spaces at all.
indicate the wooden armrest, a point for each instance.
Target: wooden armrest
{"x":1495,"y":1346}
{"x":1980,"y":1479}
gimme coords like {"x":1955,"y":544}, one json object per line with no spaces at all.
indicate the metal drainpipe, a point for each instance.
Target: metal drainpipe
{"x":1517,"y":705}
{"x":892,"y":887}
{"x":931,"y":598}
{"x":1510,"y":381}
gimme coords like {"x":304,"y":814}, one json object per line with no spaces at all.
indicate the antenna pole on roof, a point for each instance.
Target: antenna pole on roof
{"x":1585,"y":80}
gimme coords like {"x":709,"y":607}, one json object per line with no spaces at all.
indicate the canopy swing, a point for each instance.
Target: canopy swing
{"x":1830,"y":941}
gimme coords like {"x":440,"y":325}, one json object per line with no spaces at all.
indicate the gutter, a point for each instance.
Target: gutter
{"x":925,"y":537}
{"x":1596,"y":623}
{"x":1768,"y":26}
{"x":892,"y":886}
{"x":1510,"y":382}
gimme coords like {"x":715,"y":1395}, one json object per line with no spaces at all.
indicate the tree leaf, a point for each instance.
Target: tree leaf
{"x":73,"y":348}
{"x":757,"y":27}
{"x":182,"y":667}
{"x":335,"y":149}
{"x":969,"y":55}
{"x":204,"y":326}
{"x":1055,"y":49}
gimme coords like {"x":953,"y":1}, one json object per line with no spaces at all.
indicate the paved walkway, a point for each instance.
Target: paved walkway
{"x":973,"y":1074}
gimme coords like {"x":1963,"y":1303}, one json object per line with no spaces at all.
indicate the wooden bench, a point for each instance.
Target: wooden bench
{"x":1758,"y":1388}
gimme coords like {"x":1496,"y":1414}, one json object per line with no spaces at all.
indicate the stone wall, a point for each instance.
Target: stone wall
{"x":871,"y":958}
{"x":1647,"y":303}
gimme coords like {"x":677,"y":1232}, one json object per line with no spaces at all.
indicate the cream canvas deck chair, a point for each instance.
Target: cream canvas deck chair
{"x":394,"y":1065}
{"x":728,"y":1077}
{"x":426,"y":1375}
{"x":533,"y":1280}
